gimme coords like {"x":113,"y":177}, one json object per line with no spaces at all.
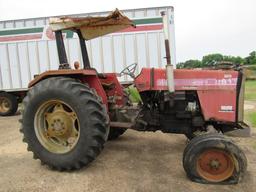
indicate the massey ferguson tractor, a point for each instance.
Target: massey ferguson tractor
{"x":68,"y":114}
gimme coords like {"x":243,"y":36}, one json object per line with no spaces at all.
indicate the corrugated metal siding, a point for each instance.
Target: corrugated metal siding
{"x":41,"y":21}
{"x":20,"y":61}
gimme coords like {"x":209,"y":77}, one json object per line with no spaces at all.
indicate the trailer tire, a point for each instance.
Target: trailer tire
{"x":84,"y":119}
{"x":114,"y":133}
{"x":8,"y":104}
{"x":213,"y":158}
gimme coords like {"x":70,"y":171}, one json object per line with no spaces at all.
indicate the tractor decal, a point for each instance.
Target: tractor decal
{"x":199,"y":82}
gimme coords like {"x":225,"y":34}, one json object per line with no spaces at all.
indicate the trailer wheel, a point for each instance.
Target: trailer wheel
{"x":64,"y":124}
{"x":114,"y":133}
{"x":213,"y":158}
{"x":8,"y":104}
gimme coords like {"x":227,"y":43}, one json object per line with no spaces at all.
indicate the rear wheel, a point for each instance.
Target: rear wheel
{"x":8,"y":104}
{"x":64,"y":123}
{"x":213,"y":158}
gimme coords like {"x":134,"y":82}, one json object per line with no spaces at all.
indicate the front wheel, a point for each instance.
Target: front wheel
{"x":64,"y":123}
{"x":213,"y":158}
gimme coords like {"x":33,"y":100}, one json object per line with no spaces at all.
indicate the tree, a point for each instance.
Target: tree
{"x":190,"y":64}
{"x":211,"y":59}
{"x":251,"y":59}
{"x":236,"y":60}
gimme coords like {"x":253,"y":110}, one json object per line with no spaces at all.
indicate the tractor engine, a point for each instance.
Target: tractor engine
{"x":170,"y":113}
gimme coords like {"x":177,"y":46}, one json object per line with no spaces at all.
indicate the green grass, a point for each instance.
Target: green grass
{"x":250,"y":116}
{"x":250,"y":90}
{"x":250,"y":95}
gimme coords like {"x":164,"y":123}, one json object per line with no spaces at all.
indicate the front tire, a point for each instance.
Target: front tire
{"x":213,"y":158}
{"x":64,"y":123}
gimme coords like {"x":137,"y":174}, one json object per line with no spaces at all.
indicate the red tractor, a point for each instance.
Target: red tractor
{"x":68,"y":114}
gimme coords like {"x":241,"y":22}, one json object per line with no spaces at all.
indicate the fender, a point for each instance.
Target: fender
{"x":88,"y":76}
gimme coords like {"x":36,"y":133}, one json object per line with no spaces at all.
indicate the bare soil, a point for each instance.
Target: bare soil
{"x":137,"y":161}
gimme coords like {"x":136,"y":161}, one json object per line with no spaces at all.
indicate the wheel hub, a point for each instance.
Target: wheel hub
{"x":215,"y":165}
{"x":4,"y":105}
{"x":59,"y":122}
{"x":57,"y":127}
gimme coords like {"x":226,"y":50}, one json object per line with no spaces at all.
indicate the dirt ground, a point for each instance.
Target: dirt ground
{"x":136,"y":162}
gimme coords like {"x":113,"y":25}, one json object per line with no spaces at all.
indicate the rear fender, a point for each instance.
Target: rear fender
{"x":88,"y":76}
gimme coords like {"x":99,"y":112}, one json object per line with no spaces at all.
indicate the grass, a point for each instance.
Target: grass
{"x":250,"y":116}
{"x":250,"y":90}
{"x":250,"y":95}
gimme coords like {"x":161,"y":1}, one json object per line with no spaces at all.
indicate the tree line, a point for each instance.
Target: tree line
{"x":212,"y":59}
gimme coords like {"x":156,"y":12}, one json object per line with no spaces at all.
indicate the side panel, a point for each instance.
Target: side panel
{"x":218,"y":105}
{"x":217,"y":89}
{"x":184,"y":79}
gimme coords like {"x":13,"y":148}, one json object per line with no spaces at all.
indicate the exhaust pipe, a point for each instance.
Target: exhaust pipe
{"x":169,"y":66}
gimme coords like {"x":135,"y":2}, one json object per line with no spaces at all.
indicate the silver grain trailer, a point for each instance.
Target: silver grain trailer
{"x":27,"y":48}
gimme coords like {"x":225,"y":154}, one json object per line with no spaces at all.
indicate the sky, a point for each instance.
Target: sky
{"x":201,"y":26}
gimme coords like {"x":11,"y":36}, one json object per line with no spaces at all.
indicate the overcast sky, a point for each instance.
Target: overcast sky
{"x":202,"y":26}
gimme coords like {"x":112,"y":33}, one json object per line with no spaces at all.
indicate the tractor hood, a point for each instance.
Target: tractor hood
{"x":92,"y":27}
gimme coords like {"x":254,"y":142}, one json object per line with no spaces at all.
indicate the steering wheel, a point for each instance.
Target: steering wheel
{"x":129,"y":70}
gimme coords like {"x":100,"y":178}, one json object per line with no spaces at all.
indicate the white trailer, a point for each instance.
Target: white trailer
{"x":27,"y":48}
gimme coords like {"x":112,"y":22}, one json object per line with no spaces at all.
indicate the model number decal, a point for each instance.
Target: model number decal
{"x":198,"y":82}
{"x":226,"y":108}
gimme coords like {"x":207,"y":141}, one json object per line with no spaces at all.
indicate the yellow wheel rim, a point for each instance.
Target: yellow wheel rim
{"x":57,"y":127}
{"x":5,"y":105}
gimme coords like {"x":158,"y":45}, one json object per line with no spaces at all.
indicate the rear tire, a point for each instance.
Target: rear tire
{"x":85,"y":132}
{"x":8,"y":104}
{"x":213,"y":158}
